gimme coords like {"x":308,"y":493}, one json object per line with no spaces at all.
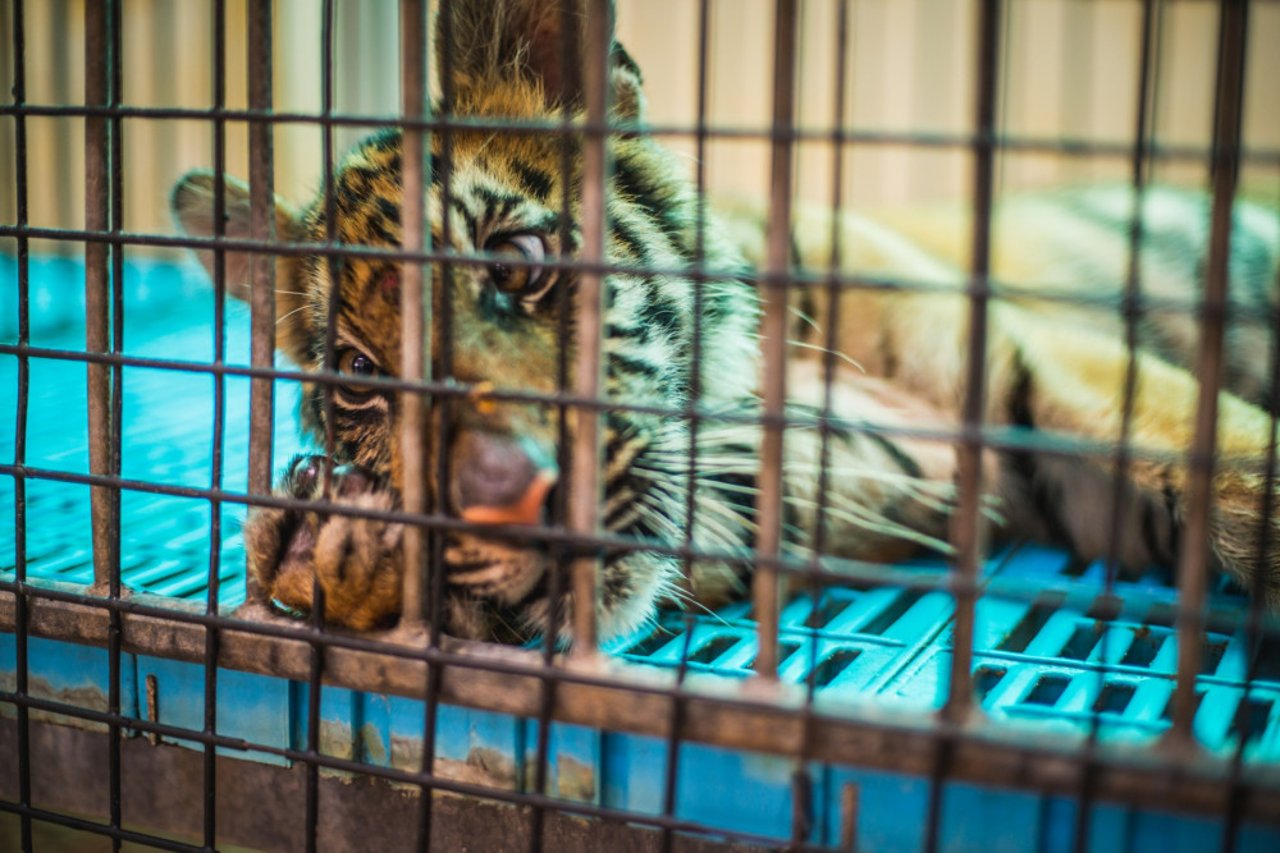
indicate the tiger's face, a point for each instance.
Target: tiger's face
{"x":503,"y":207}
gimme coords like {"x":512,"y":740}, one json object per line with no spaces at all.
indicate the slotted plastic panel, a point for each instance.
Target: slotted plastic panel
{"x":851,"y":641}
{"x":168,"y":431}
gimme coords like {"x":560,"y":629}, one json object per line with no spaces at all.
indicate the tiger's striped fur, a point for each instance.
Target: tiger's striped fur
{"x":902,"y":357}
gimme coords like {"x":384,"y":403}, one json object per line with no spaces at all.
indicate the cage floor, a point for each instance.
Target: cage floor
{"x":168,"y":419}
{"x":1037,"y":662}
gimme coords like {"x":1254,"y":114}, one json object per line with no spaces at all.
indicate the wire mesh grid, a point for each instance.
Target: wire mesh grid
{"x":1042,"y":643}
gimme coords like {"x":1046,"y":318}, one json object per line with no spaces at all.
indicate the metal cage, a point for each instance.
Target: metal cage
{"x":1013,"y":698}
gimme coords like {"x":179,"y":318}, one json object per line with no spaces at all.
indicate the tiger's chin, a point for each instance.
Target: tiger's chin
{"x":492,"y":585}
{"x":503,"y":572}
{"x":508,"y":592}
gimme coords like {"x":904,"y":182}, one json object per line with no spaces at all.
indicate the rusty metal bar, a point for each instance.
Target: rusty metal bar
{"x":801,"y":819}
{"x":263,"y":227}
{"x":1065,"y":146}
{"x":676,"y":723}
{"x":20,"y":605}
{"x":867,"y":573}
{"x":849,"y":818}
{"x":96,"y":289}
{"x":967,"y":523}
{"x":1193,"y":560}
{"x":1255,"y":633}
{"x":209,"y":771}
{"x":421,"y":447}
{"x":1121,"y":487}
{"x":993,"y":437}
{"x":773,"y":377}
{"x":584,"y":491}
{"x":415,"y":311}
{"x":311,"y":772}
{"x":853,"y":281}
{"x":115,"y":135}
{"x":59,"y":50}
{"x":561,"y":560}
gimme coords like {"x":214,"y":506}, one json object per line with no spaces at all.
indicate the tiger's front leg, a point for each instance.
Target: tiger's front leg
{"x":884,"y":492}
{"x":1071,"y":381}
{"x":356,"y":560}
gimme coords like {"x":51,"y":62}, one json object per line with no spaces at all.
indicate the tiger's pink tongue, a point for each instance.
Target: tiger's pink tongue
{"x":526,"y":510}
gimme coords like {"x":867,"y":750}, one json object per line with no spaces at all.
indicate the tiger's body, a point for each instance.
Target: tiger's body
{"x":901,"y":367}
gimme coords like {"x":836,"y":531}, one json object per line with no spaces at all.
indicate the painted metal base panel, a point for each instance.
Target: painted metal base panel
{"x":1036,"y":658}
{"x":718,"y":788}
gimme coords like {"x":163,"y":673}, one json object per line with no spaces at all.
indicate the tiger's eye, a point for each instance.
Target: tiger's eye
{"x":354,"y":361}
{"x":526,"y":275}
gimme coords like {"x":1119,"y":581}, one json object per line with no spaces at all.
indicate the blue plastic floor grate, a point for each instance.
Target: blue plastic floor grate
{"x":852,"y":642}
{"x":1037,"y":662}
{"x":167,"y":438}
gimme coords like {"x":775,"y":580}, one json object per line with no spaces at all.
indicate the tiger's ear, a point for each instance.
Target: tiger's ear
{"x":193,"y":209}
{"x":482,"y":41}
{"x":192,"y":206}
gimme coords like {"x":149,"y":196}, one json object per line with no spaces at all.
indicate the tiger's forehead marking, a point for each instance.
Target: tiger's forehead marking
{"x":371,"y":318}
{"x":487,"y":197}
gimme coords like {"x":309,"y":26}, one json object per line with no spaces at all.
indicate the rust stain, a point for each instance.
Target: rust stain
{"x":574,"y":779}
{"x":482,"y":766}
{"x":371,"y":745}
{"x":335,"y":739}
{"x":90,"y":698}
{"x":153,"y":706}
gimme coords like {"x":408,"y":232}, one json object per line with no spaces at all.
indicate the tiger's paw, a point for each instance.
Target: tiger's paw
{"x":356,"y":560}
{"x":1237,"y":529}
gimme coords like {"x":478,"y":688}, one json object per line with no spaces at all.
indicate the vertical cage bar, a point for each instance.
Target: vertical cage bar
{"x":802,"y":821}
{"x":58,"y":48}
{"x":21,"y":675}
{"x":209,"y":762}
{"x":116,"y":158}
{"x":333,"y":264}
{"x":263,"y":228}
{"x":831,"y":343}
{"x":437,"y":349}
{"x":97,"y":294}
{"x":311,"y":790}
{"x":773,"y":379}
{"x":1255,"y":631}
{"x":1193,"y":561}
{"x":937,"y":792}
{"x":570,"y":59}
{"x":671,"y":781}
{"x":584,"y":493}
{"x":966,"y":530}
{"x":966,"y":524}
{"x":114,"y":632}
{"x":676,"y":719}
{"x":849,"y":818}
{"x":416,"y":346}
{"x":414,"y":309}
{"x":1131,"y":306}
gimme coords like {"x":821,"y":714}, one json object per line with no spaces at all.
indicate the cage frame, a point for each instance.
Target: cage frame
{"x":416,"y":660}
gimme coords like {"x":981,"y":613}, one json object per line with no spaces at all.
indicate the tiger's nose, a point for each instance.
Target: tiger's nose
{"x":500,"y":479}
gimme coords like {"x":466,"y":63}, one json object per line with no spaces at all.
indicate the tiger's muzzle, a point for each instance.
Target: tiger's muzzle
{"x":500,"y":479}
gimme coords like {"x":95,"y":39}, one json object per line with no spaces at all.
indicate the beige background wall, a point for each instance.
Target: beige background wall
{"x":1070,"y":69}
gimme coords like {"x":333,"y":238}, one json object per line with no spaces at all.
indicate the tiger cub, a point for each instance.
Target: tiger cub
{"x":900,"y":368}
